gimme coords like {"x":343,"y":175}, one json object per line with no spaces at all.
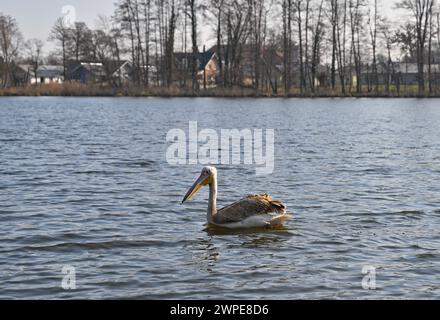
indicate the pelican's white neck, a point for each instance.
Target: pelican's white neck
{"x":212,"y":205}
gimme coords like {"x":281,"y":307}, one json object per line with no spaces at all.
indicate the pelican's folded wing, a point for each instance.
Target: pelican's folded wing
{"x":250,"y":206}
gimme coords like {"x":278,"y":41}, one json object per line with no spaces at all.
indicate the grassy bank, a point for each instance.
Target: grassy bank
{"x":79,"y":90}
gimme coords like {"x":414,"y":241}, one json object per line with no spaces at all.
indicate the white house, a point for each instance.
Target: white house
{"x":45,"y":74}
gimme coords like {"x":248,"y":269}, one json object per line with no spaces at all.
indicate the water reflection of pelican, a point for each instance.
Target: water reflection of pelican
{"x":255,"y":237}
{"x":213,"y":230}
{"x":254,"y":211}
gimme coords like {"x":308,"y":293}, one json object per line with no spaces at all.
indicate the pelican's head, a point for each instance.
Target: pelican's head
{"x":206,"y":177}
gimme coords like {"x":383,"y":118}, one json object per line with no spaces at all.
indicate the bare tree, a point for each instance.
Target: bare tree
{"x":106,"y":40}
{"x":287,"y":7}
{"x":334,"y":21}
{"x":373,"y":20}
{"x":341,"y":40}
{"x":259,"y":11}
{"x":147,"y":5}
{"x":300,"y":26}
{"x":386,"y":33}
{"x":318,"y":33}
{"x":125,"y":16}
{"x":306,"y":45}
{"x":192,"y":8}
{"x":140,"y":55}
{"x":169,"y":51}
{"x":34,"y":48}
{"x":10,"y":43}
{"x":421,"y":11}
{"x":60,"y":34}
{"x":217,"y":8}
{"x":431,"y":33}
{"x":237,"y":32}
{"x":80,"y":39}
{"x":356,"y":18}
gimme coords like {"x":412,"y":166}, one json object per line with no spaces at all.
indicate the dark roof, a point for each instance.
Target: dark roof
{"x":96,"y":67}
{"x":43,"y":71}
{"x":50,"y":71}
{"x":202,"y":57}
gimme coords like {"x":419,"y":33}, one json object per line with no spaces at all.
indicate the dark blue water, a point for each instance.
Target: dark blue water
{"x":84,"y":182}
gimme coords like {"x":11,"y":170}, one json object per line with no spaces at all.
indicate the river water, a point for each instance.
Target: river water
{"x":85,"y":185}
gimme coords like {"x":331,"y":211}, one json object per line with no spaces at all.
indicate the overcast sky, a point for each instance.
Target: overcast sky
{"x":36,"y":18}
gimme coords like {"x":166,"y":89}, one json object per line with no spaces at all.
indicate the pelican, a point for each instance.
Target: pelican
{"x":254,"y":211}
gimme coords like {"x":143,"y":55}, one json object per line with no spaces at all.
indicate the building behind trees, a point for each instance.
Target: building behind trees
{"x":272,"y":46}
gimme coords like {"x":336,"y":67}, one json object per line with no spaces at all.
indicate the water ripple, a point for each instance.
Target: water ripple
{"x":85,"y":183}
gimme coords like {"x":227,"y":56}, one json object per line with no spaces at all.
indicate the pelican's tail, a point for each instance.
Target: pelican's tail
{"x":278,"y":207}
{"x":278,"y":221}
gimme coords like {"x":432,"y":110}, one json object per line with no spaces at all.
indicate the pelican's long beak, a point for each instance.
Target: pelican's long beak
{"x":203,"y":180}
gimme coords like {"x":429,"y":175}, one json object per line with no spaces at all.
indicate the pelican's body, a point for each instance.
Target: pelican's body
{"x":253,"y":211}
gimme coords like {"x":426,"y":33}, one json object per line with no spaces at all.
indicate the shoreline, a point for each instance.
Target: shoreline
{"x":77,"y":90}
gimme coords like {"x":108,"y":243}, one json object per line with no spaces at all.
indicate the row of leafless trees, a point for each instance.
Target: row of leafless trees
{"x":355,"y":36}
{"x":266,"y":44}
